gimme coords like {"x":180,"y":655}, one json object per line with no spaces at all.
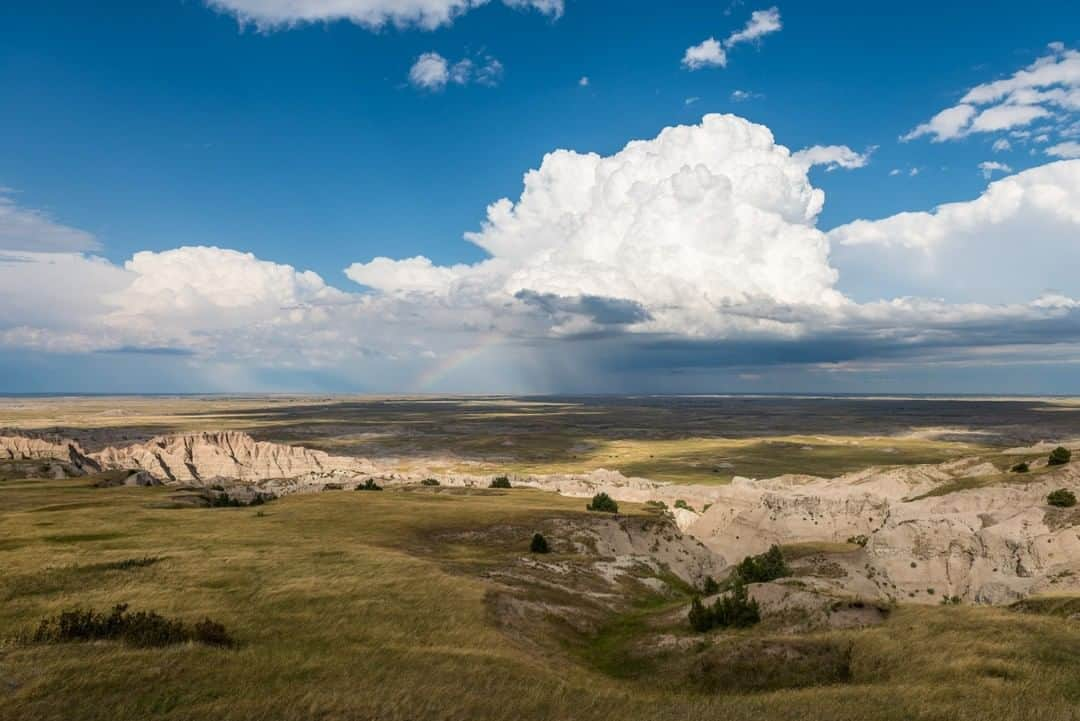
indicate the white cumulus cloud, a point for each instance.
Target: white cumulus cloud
{"x":697,"y":221}
{"x":1068,"y":149}
{"x":373,"y":14}
{"x":989,"y":167}
{"x":761,"y":23}
{"x":833,"y":157}
{"x":33,"y":230}
{"x":706,"y":54}
{"x":1016,"y":241}
{"x":712,"y":53}
{"x":699,"y":245}
{"x":431,"y":71}
{"x":1048,"y":89}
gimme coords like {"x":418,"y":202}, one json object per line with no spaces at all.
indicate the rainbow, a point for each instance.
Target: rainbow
{"x":444,"y":366}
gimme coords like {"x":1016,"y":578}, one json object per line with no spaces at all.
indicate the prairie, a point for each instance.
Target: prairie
{"x":384,"y":606}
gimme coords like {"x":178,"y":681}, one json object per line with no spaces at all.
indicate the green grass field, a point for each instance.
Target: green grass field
{"x":379,"y":606}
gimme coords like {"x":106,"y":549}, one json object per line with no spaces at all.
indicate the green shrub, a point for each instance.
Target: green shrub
{"x":500,"y":482}
{"x":539,"y":544}
{"x":603,"y":503}
{"x":429,"y":482}
{"x":683,"y":505}
{"x":859,"y":540}
{"x":710,"y":586}
{"x":224,"y":500}
{"x":734,"y":609}
{"x":1021,"y":467}
{"x":369,"y":485}
{"x":144,"y":629}
{"x":1062,"y":498}
{"x":764,"y":567}
{"x":1059,"y":456}
{"x":211,"y":633}
{"x":129,"y":563}
{"x":700,"y":618}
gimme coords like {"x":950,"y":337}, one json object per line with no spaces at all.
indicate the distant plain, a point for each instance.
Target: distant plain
{"x":686,"y":439}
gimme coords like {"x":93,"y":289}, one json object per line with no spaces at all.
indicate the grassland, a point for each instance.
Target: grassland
{"x":685,"y":440}
{"x":379,"y":606}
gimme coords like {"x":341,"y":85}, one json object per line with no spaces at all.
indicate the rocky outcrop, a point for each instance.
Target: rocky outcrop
{"x":198,"y":457}
{"x":19,"y":447}
{"x":917,"y":534}
{"x":990,"y":544}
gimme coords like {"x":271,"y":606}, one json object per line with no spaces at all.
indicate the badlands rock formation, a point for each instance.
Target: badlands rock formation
{"x":991,"y":544}
{"x":917,"y":538}
{"x":197,"y":457}
{"x":19,"y":447}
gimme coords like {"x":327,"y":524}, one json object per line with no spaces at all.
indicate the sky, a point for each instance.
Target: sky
{"x":539,"y":196}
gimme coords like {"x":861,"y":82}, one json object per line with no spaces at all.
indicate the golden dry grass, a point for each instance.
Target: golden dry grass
{"x":354,"y":606}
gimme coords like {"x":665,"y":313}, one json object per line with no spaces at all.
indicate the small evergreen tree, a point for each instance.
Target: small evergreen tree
{"x":711,"y":586}
{"x":1062,"y":498}
{"x":429,"y":482}
{"x":603,"y":503}
{"x":1059,"y":456}
{"x":539,"y":544}
{"x":369,"y":485}
{"x":500,"y":482}
{"x":736,"y":609}
{"x":1021,"y":467}
{"x":701,"y":619}
{"x":764,"y":567}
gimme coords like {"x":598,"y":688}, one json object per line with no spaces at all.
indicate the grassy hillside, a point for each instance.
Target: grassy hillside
{"x":383,"y":606}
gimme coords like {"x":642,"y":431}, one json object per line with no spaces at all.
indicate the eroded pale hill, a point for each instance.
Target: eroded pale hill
{"x":960,"y":529}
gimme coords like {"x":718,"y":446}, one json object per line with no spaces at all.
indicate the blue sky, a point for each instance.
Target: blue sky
{"x":164,"y":125}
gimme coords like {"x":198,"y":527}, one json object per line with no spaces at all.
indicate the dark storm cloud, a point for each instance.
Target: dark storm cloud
{"x":599,"y":309}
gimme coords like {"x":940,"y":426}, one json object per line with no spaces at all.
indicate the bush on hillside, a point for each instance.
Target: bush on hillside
{"x":603,"y":503}
{"x":144,"y":629}
{"x":1060,"y":456}
{"x":369,"y":485}
{"x":224,"y":500}
{"x":710,"y":586}
{"x":500,"y":482}
{"x":211,"y":633}
{"x":683,"y":505}
{"x":539,"y":544}
{"x":764,"y":567}
{"x":734,"y":609}
{"x":700,"y":618}
{"x":429,"y":482}
{"x":1062,"y":498}
{"x":1021,"y":467}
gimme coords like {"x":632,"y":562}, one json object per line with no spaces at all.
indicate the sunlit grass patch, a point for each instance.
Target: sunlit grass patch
{"x":378,"y":606}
